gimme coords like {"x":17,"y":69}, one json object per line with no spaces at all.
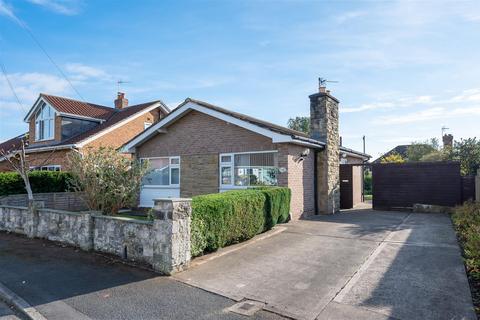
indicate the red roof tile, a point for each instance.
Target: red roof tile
{"x":79,"y":108}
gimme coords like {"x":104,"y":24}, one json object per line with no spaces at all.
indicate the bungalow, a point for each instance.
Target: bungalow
{"x":201,"y":148}
{"x":59,"y":125}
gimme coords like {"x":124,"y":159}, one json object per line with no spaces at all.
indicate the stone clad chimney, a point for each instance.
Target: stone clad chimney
{"x":324,"y":127}
{"x":447,"y":141}
{"x":121,"y":102}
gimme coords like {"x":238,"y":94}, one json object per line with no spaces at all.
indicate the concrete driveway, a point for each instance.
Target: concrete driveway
{"x":359,"y":264}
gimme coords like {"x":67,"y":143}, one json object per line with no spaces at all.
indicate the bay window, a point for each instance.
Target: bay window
{"x":165,"y":171}
{"x":241,"y":170}
{"x":45,"y":123}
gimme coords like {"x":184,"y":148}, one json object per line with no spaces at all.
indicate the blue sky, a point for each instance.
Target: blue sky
{"x":405,"y":68}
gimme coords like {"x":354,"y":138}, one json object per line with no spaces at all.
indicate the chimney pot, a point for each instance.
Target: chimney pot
{"x":322,"y":89}
{"x":121,"y":102}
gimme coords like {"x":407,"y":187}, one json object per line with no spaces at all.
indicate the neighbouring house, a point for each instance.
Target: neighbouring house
{"x":59,"y":125}
{"x":200,"y":148}
{"x":402,"y":149}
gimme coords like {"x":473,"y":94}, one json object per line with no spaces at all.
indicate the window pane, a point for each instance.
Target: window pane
{"x":175,"y":175}
{"x":255,"y":169}
{"x":226,"y":175}
{"x":41,"y":135}
{"x":159,"y":174}
{"x":226,"y":159}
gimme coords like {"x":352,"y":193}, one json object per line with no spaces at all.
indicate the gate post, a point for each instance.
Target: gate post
{"x":172,"y":218}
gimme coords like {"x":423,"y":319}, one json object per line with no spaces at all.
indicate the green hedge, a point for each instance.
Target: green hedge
{"x":225,"y":218}
{"x":466,"y":220}
{"x":41,"y":181}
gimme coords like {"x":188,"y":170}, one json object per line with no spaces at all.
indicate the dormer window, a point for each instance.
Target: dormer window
{"x":45,"y":123}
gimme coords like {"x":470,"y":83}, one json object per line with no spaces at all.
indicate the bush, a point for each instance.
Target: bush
{"x":466,"y":220}
{"x":41,"y":181}
{"x":225,"y":218}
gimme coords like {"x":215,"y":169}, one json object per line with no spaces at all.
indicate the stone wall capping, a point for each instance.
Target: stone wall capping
{"x":14,"y":207}
{"x":61,"y":211}
{"x":122,"y":219}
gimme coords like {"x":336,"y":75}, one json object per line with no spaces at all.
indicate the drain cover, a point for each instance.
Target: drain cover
{"x":246,"y":307}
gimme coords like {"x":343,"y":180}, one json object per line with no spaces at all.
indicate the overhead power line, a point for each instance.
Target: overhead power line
{"x":5,"y":74}
{"x":24,"y":26}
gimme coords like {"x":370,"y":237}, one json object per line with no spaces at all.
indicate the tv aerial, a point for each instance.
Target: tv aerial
{"x":322,"y":81}
{"x":120,"y":82}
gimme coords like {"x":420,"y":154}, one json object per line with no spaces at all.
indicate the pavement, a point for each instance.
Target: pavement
{"x":359,"y":264}
{"x":65,"y":283}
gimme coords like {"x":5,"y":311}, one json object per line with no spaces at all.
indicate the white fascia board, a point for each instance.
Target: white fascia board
{"x":355,"y":155}
{"x":50,"y":148}
{"x":118,"y":125}
{"x":275,"y":136}
{"x":35,"y":106}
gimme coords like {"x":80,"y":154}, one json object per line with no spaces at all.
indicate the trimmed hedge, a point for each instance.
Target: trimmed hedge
{"x":221,"y":219}
{"x":41,"y":181}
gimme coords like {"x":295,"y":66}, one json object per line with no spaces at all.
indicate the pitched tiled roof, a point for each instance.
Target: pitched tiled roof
{"x":115,"y":118}
{"x":80,"y":108}
{"x":12,"y":144}
{"x":258,"y":122}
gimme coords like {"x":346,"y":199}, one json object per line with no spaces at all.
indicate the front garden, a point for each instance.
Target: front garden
{"x":466,"y":220}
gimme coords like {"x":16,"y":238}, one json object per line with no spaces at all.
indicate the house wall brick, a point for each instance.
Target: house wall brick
{"x":198,"y":133}
{"x":120,"y":136}
{"x":46,"y":158}
{"x":299,"y":178}
{"x":199,"y":175}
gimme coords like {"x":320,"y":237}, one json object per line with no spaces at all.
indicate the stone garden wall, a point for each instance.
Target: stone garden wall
{"x":163,"y":243}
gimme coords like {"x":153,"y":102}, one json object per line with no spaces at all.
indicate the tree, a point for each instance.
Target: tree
{"x":109,"y":180}
{"x":301,"y":124}
{"x":18,"y":159}
{"x":419,"y":149}
{"x":467,"y":152}
{"x":393,"y":158}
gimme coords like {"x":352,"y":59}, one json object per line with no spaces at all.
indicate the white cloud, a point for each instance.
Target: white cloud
{"x":66,"y":7}
{"x":349,"y":16}
{"x":7,"y":11}
{"x":81,"y":72}
{"x":28,"y":85}
{"x":434,"y":113}
{"x":470,"y":95}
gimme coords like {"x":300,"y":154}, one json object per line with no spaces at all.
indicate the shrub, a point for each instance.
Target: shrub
{"x":277,"y":205}
{"x":109,"y":180}
{"x":466,"y":220}
{"x":41,"y":181}
{"x":225,"y":218}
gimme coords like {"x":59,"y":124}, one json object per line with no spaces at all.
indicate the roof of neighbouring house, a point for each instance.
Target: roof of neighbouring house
{"x":12,"y":144}
{"x":109,"y":118}
{"x":400,"y":150}
{"x":297,"y":136}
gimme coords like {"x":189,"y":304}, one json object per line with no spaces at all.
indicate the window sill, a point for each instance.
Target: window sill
{"x":151,"y":186}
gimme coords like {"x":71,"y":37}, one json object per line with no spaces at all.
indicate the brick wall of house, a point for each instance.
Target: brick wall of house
{"x":199,"y":175}
{"x":116,"y":138}
{"x":46,"y":158}
{"x":299,"y":178}
{"x":198,"y":133}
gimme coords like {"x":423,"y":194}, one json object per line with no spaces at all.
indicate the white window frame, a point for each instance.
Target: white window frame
{"x":47,"y":168}
{"x":170,"y":166}
{"x":231,"y":164}
{"x":40,"y":120}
